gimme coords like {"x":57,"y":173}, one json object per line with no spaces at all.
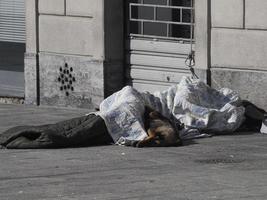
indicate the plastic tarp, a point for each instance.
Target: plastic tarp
{"x":199,"y":107}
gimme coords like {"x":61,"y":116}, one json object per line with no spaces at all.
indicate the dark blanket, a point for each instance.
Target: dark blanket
{"x":254,"y":116}
{"x":77,"y":132}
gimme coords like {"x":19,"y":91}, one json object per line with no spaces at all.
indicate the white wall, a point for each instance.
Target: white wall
{"x":72,"y":27}
{"x":238,"y":34}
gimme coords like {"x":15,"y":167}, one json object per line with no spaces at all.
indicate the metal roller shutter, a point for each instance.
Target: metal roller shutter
{"x":12,"y":21}
{"x":158,"y":42}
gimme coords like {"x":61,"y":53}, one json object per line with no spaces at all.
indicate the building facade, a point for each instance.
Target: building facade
{"x":80,"y":51}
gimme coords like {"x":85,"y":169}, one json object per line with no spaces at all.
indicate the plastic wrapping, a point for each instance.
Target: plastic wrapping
{"x":192,"y":102}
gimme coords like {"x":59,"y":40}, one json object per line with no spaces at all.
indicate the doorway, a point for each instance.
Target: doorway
{"x":159,"y":37}
{"x":12,"y":47}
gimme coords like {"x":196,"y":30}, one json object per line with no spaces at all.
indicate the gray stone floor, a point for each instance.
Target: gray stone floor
{"x":222,"y":167}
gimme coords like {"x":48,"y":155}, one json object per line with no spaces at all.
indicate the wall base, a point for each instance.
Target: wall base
{"x":30,"y":76}
{"x":251,"y":85}
{"x":71,"y":81}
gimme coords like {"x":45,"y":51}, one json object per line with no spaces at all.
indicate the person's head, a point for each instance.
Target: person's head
{"x":161,"y":132}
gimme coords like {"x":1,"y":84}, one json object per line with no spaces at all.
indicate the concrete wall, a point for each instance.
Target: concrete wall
{"x":239,"y":47}
{"x":87,"y":36}
{"x":72,"y":34}
{"x":202,"y":39}
{"x":68,"y":29}
{"x":30,"y":69}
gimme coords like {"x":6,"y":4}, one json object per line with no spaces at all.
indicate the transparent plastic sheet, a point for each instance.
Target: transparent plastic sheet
{"x":200,"y":108}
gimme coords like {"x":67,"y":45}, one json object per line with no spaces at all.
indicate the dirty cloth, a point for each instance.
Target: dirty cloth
{"x":76,"y":132}
{"x":199,"y":107}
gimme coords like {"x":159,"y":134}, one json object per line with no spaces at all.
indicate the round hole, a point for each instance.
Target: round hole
{"x":66,"y":79}
{"x":67,"y":93}
{"x":68,"y":86}
{"x":70,"y":75}
{"x":66,"y":64}
{"x":60,"y":69}
{"x":62,"y":75}
{"x":70,"y":82}
{"x":59,"y":79}
{"x":62,"y":82}
{"x":73,"y":79}
{"x":68,"y":71}
{"x":72,"y":88}
{"x":65,"y":87}
{"x":61,"y":88}
{"x":71,"y":69}
{"x":168,"y":78}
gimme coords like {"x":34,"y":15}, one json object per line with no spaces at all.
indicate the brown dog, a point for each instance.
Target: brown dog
{"x":161,"y":132}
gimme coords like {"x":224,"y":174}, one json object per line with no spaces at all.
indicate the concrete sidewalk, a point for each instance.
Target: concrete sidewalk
{"x":223,"y":167}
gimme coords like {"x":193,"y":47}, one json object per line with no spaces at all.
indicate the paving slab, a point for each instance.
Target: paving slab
{"x":222,"y":167}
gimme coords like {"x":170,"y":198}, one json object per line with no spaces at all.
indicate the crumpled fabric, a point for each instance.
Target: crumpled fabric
{"x":192,"y":102}
{"x":76,"y":132}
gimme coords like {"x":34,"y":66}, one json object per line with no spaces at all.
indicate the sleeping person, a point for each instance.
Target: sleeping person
{"x":188,"y":110}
